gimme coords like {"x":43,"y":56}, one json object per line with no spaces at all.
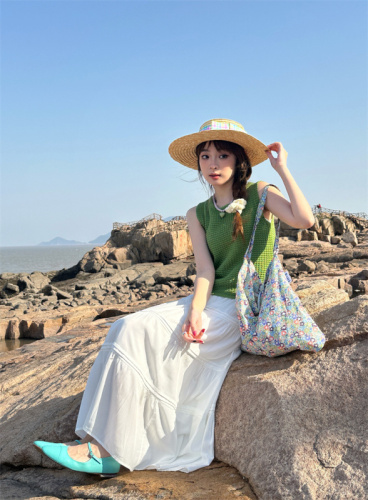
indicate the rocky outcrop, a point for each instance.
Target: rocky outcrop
{"x":44,"y":312}
{"x":147,"y":241}
{"x":45,"y":307}
{"x":293,"y":426}
{"x":327,"y":227}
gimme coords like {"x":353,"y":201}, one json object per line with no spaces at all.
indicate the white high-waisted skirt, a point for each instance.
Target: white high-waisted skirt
{"x":150,"y":397}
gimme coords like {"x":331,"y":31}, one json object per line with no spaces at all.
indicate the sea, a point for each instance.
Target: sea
{"x":41,"y":258}
{"x":26,"y":259}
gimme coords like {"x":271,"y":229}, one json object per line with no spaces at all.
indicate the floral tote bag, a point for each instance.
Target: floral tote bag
{"x":272,"y":319}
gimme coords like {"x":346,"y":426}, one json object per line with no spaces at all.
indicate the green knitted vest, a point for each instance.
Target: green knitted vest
{"x":227,"y":255}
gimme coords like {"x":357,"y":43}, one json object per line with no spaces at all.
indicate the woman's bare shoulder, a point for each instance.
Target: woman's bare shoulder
{"x":262,"y":184}
{"x":272,"y":189}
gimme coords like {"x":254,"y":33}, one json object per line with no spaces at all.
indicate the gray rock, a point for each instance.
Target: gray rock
{"x":322,"y":267}
{"x":48,"y":290}
{"x":327,"y":227}
{"x":360,"y":253}
{"x":350,"y":237}
{"x":191,"y":269}
{"x":299,"y":235}
{"x":345,"y":323}
{"x":316,"y":226}
{"x":12,"y":330}
{"x":12,"y":287}
{"x":81,"y":293}
{"x":190,"y":280}
{"x":349,"y":290}
{"x":362,"y":275}
{"x":162,"y":287}
{"x":8,"y":276}
{"x":309,"y":235}
{"x":31,"y":329}
{"x":360,"y":286}
{"x":335,"y":240}
{"x":324,"y":237}
{"x":35,"y":281}
{"x":173,"y":272}
{"x":339,"y":224}
{"x":319,"y":295}
{"x":61,"y":294}
{"x":307,"y":265}
{"x":343,"y":255}
{"x":344,"y":244}
{"x":291,"y":265}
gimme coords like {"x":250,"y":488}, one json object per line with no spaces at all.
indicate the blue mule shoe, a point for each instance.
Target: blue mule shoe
{"x":105,"y":467}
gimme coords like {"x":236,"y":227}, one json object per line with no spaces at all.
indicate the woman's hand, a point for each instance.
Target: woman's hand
{"x":279,"y":162}
{"x":192,"y":327}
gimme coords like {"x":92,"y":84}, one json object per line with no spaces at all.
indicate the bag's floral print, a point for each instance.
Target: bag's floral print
{"x":272,"y":319}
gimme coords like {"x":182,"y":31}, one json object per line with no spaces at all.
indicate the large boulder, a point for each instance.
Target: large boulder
{"x":33,"y":281}
{"x":94,"y":260}
{"x":327,"y":226}
{"x":295,"y":426}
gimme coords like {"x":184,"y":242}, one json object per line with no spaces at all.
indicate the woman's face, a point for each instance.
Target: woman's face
{"x":217,"y":167}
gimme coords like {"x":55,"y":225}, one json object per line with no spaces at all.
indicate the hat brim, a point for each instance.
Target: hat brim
{"x":183,"y":149}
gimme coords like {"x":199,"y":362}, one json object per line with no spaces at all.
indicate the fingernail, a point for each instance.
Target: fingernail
{"x":194,"y":333}
{"x":202,"y":330}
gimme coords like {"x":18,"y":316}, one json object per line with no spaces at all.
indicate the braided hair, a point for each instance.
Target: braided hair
{"x":243,"y":171}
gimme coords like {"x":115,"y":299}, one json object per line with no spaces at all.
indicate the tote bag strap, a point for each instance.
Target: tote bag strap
{"x":260,"y":209}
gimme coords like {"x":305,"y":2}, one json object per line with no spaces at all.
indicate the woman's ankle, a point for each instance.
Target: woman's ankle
{"x":87,"y":439}
{"x":101,"y":450}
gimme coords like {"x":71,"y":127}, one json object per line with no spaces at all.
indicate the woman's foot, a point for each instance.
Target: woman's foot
{"x":79,"y":459}
{"x":76,"y":442}
{"x":81,"y":452}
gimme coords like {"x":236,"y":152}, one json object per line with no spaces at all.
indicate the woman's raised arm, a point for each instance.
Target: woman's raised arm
{"x":296,"y":212}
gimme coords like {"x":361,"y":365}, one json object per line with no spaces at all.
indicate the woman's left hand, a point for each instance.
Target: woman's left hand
{"x":280,"y":161}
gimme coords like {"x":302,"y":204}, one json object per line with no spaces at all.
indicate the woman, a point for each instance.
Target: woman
{"x":150,"y":398}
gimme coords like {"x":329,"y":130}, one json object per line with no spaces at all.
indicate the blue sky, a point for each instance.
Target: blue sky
{"x":93,"y":92}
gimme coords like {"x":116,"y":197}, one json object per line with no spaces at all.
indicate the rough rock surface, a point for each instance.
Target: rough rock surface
{"x":216,"y":482}
{"x":40,"y":399}
{"x":294,"y":426}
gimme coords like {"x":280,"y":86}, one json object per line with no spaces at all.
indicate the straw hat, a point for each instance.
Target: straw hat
{"x":183,"y":149}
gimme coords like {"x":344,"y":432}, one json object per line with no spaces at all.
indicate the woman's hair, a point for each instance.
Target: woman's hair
{"x":243,"y":171}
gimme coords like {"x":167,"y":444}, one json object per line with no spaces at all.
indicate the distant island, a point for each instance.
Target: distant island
{"x":60,"y":241}
{"x":100,"y":240}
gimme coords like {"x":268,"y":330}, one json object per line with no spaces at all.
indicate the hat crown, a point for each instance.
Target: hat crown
{"x":222,"y":124}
